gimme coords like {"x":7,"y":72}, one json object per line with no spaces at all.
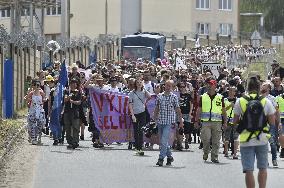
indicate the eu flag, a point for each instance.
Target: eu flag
{"x":54,"y":123}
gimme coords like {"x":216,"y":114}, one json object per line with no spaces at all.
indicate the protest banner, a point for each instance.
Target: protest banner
{"x":213,"y":67}
{"x":111,"y":117}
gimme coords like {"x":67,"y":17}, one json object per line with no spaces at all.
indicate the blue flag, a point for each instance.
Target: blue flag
{"x":54,"y":123}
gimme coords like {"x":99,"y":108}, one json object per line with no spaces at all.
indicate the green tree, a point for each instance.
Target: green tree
{"x":273,"y":11}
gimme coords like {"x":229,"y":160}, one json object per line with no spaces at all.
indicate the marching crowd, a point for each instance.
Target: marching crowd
{"x":245,"y":115}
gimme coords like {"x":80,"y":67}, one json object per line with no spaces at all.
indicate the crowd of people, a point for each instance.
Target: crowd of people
{"x":207,"y":109}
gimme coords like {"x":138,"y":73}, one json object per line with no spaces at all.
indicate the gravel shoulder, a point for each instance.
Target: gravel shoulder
{"x":18,"y":167}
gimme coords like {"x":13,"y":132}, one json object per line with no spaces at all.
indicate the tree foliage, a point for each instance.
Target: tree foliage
{"x":273,"y":11}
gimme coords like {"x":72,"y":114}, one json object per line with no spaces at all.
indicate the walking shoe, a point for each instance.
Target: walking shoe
{"x":46,"y":131}
{"x":226,"y":155}
{"x":274,"y":163}
{"x":55,"y":143}
{"x":200,"y":146}
{"x":169,"y":161}
{"x":205,"y":157}
{"x":179,"y":147}
{"x":235,"y":157}
{"x":34,"y":142}
{"x":70,"y":146}
{"x":61,"y":141}
{"x":82,"y":137}
{"x":282,"y":153}
{"x":141,"y":153}
{"x":101,"y":145}
{"x":75,"y":145}
{"x":215,"y":161}
{"x":147,"y":145}
{"x":186,"y":146}
{"x":160,"y":162}
{"x":130,"y":146}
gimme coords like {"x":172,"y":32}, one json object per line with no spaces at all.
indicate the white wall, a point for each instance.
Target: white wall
{"x":166,"y":15}
{"x":130,"y":16}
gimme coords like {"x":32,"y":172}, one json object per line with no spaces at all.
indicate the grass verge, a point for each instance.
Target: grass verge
{"x":9,"y":127}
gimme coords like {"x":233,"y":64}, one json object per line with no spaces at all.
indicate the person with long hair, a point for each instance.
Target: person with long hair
{"x":36,"y":114}
{"x":137,"y":107}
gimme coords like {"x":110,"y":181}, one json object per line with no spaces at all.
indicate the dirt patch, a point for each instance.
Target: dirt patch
{"x":18,"y":167}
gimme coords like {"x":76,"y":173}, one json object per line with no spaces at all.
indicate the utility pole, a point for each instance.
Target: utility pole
{"x":106,"y":17}
{"x":31,"y":16}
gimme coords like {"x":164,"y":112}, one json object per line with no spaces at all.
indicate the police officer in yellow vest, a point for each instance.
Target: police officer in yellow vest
{"x":254,"y":145}
{"x":211,"y":112}
{"x":280,"y":103}
{"x":229,"y":104}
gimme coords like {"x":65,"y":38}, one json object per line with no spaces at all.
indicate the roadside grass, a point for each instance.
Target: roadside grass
{"x":9,"y":127}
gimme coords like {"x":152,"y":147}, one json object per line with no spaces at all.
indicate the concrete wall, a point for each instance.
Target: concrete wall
{"x":89,"y":17}
{"x":214,"y":16}
{"x":52,"y":24}
{"x":166,"y":15}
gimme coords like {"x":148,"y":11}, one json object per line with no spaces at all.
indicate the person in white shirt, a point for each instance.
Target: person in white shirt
{"x":148,"y":85}
{"x":113,"y":85}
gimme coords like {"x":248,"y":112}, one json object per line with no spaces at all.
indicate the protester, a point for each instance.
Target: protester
{"x":36,"y":114}
{"x":167,"y":106}
{"x":231,"y":129}
{"x":138,"y":111}
{"x":254,"y":144}
{"x":72,"y":101}
{"x":211,"y":110}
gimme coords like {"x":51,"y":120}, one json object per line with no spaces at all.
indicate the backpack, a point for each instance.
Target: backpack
{"x":254,"y":118}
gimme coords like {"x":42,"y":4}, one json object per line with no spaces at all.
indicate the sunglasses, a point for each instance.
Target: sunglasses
{"x":181,"y":86}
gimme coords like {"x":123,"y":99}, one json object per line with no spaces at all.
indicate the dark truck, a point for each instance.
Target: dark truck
{"x":146,"y":46}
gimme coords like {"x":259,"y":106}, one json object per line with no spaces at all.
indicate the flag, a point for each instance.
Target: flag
{"x":56,"y":110}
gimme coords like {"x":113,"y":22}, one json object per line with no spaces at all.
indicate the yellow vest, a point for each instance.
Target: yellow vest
{"x":245,"y":134}
{"x":280,"y":101}
{"x":211,"y":109}
{"x":230,"y":112}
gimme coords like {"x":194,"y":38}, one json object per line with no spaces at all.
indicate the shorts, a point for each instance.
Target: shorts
{"x":282,"y":126}
{"x":248,"y":155}
{"x":228,"y":131}
{"x":188,"y":127}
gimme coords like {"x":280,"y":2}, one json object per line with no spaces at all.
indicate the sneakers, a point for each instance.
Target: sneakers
{"x":235,"y":157}
{"x":169,"y":161}
{"x":205,"y":157}
{"x":139,"y":152}
{"x":215,"y":161}
{"x":160,"y":162}
{"x":98,"y":145}
{"x":34,"y":142}
{"x":75,"y":145}
{"x":82,"y":137}
{"x":55,"y":143}
{"x":70,"y":146}
{"x":282,"y":153}
{"x":226,"y":154}
{"x":274,"y":163}
{"x":179,"y":147}
{"x":130,"y":146}
{"x":186,"y":145}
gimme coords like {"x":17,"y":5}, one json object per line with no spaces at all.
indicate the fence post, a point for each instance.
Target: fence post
{"x":1,"y":80}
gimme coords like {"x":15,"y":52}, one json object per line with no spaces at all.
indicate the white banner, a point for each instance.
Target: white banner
{"x":213,"y":67}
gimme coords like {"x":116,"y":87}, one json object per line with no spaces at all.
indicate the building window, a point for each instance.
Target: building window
{"x":203,"y":28}
{"x":225,"y":4}
{"x":55,"y":8}
{"x":203,"y":4}
{"x":5,"y":13}
{"x":226,"y":29}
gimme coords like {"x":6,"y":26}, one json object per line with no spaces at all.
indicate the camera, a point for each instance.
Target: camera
{"x":150,"y":129}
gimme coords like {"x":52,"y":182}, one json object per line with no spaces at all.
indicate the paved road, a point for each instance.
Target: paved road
{"x":115,"y":166}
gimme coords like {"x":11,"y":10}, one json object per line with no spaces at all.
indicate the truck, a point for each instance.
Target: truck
{"x":147,"y":46}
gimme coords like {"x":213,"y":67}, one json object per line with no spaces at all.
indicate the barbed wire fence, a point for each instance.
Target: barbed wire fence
{"x":30,"y":53}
